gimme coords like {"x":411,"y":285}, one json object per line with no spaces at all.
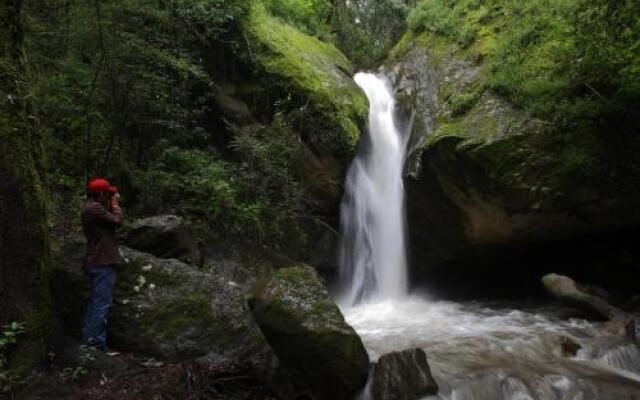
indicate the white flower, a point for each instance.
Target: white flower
{"x":147,"y":267}
{"x":152,"y":286}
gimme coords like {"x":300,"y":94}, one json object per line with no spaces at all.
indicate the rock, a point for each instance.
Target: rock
{"x":488,"y":186}
{"x":70,"y":285}
{"x":170,"y":309}
{"x":634,"y":303}
{"x":565,"y":289}
{"x":165,"y":308}
{"x":165,"y":236}
{"x":308,"y":333}
{"x":403,"y":375}
{"x":626,"y":328}
{"x":593,"y":290}
{"x":302,"y":66}
{"x":560,"y":345}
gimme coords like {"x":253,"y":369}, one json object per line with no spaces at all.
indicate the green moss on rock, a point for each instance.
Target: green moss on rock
{"x":494,"y":171}
{"x":309,"y":334}
{"x":170,"y":309}
{"x":306,"y":67}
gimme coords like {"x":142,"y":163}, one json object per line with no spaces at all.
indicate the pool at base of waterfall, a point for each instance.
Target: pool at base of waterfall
{"x":511,"y":351}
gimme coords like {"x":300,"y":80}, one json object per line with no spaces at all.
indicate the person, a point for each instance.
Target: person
{"x":101,"y":216}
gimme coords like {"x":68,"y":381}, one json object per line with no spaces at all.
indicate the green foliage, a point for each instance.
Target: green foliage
{"x":564,"y":59}
{"x":463,"y":101}
{"x":117,"y":77}
{"x":86,"y":356}
{"x":448,"y":18}
{"x":367,"y":29}
{"x":136,"y":90}
{"x":8,"y":339}
{"x":269,"y":159}
{"x":257,"y":198}
{"x":310,"y":16}
{"x":304,"y":65}
{"x":199,"y":184}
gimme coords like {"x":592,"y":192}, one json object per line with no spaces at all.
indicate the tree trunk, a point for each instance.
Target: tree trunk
{"x":24,"y":234}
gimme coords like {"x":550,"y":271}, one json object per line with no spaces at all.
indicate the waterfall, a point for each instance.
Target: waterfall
{"x":372,"y":260}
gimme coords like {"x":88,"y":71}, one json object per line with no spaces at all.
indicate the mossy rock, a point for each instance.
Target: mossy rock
{"x":308,"y":333}
{"x":487,"y":178}
{"x":174,"y":310}
{"x":165,"y":308}
{"x":314,"y":72}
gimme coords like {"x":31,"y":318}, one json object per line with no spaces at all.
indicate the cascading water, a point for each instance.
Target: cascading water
{"x":373,"y":255}
{"x":477,"y":351}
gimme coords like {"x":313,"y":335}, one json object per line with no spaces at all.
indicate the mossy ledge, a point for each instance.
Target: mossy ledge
{"x":316,"y":71}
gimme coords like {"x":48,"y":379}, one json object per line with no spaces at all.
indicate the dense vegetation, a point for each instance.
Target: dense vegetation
{"x":128,"y":89}
{"x":568,"y":59}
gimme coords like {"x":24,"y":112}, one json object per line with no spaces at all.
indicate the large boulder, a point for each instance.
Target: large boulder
{"x":302,"y":73}
{"x":309,"y":334}
{"x":403,"y":375}
{"x":566,"y":289}
{"x":170,"y":309}
{"x":166,"y":308}
{"x":165,"y":236}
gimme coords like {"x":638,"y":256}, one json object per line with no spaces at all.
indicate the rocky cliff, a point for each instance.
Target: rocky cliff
{"x":497,"y":192}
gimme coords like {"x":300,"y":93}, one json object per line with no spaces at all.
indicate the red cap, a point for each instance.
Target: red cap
{"x":98,"y":185}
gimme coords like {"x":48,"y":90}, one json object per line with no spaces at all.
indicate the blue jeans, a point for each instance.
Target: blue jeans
{"x":103,"y":280}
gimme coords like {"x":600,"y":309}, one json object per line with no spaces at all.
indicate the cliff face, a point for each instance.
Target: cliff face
{"x":495,"y":192}
{"x":316,"y":77}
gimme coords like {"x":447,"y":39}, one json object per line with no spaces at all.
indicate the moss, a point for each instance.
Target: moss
{"x":308,"y":67}
{"x":402,"y":47}
{"x":438,"y":48}
{"x":464,"y":101}
{"x":301,"y":322}
{"x":24,"y":272}
{"x":174,"y":317}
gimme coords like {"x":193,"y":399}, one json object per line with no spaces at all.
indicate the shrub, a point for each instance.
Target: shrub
{"x":554,"y":58}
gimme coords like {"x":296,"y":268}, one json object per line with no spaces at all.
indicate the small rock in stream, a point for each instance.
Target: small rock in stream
{"x":403,"y":375}
{"x":626,"y":328}
{"x":561,"y":346}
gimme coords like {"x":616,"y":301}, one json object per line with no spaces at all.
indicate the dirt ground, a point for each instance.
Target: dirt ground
{"x":131,"y":378}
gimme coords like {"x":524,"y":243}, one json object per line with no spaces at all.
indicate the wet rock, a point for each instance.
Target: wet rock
{"x":403,"y":375}
{"x":165,"y":236}
{"x":165,"y":308}
{"x":169,"y":309}
{"x":70,"y":285}
{"x":565,"y":289}
{"x":501,"y":186}
{"x":594,"y":290}
{"x":308,"y":333}
{"x":626,"y":328}
{"x":634,"y":303}
{"x":561,"y":346}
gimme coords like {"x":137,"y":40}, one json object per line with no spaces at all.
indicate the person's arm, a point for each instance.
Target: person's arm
{"x":113,"y":217}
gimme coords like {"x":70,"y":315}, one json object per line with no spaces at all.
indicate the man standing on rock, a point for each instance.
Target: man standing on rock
{"x":101,"y":216}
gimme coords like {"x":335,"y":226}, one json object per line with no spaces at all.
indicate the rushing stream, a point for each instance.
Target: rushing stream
{"x":476,"y":351}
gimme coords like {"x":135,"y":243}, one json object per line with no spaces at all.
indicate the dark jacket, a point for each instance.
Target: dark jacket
{"x":99,"y":225}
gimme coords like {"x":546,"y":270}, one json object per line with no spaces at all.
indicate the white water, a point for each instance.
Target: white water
{"x":372,"y":254}
{"x":492,"y":352}
{"x":476,"y":351}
